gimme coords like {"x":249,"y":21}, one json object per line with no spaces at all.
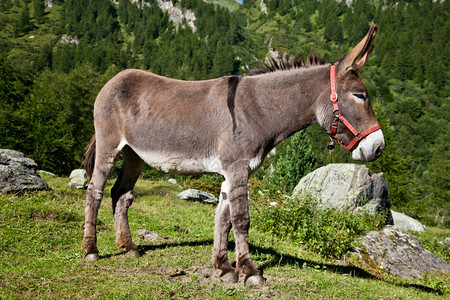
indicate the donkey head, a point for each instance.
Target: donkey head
{"x":355,"y":126}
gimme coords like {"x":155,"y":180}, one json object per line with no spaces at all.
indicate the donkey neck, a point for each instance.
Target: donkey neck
{"x":290,"y":100}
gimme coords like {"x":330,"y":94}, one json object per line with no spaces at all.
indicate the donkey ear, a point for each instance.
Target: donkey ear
{"x":357,"y":57}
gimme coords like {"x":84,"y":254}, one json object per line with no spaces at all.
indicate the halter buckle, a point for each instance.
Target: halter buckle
{"x":336,"y":115}
{"x":333,"y":97}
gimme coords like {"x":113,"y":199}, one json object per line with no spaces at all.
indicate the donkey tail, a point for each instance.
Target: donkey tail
{"x":89,"y":157}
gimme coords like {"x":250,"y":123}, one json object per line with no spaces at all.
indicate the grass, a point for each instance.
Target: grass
{"x":232,"y":5}
{"x":41,"y":255}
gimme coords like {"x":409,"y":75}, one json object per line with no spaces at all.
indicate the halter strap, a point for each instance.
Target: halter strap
{"x":338,"y":117}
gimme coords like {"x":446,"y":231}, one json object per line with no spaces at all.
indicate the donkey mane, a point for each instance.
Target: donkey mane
{"x":287,"y":63}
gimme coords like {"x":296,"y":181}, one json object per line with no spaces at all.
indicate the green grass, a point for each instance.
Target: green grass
{"x":41,"y":255}
{"x":232,"y":5}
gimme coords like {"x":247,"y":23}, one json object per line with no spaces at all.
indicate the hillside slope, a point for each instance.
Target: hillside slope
{"x":55,"y":59}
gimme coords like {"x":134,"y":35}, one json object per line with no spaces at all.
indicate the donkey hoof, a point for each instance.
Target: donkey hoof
{"x":230,"y":277}
{"x":255,"y":280}
{"x":91,"y":257}
{"x":132,"y":253}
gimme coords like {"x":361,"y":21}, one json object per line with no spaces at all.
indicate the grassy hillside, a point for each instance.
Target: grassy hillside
{"x":41,"y":255}
{"x":230,"y":4}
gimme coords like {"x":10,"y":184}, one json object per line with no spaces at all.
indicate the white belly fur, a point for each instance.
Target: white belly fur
{"x":179,"y":164}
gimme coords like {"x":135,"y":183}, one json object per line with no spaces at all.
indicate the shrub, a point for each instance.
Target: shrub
{"x":294,"y":161}
{"x":327,"y":232}
{"x":207,"y":183}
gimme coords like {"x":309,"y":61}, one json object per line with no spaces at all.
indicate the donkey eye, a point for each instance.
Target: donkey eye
{"x":360,"y":96}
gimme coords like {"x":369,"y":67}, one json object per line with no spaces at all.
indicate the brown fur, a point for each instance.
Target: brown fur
{"x":225,"y":125}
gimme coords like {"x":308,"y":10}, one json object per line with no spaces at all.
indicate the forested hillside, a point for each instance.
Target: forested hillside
{"x":56,"y":55}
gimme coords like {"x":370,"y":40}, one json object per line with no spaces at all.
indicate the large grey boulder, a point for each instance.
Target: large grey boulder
{"x":18,"y":173}
{"x":196,"y":195}
{"x":346,"y":187}
{"x":399,"y":253}
{"x":406,"y":223}
{"x":78,"y":179}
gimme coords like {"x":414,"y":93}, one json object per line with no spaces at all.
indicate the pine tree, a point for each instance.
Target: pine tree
{"x":5,"y":5}
{"x":39,"y":9}
{"x":437,"y":187}
{"x":24,"y":24}
{"x":224,"y":60}
{"x":333,"y":30}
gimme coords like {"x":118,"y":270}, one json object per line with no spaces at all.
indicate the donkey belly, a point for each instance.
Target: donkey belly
{"x":178,"y":163}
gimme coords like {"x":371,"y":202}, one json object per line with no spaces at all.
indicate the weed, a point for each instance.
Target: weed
{"x":327,"y":232}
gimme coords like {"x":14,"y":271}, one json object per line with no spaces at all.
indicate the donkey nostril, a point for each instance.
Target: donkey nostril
{"x":379,"y":151}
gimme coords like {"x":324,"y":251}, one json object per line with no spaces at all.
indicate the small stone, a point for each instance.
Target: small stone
{"x":196,"y":195}
{"x":148,"y":236}
{"x":78,"y":179}
{"x":447,"y":241}
{"x":173,"y":181}
{"x":180,"y":230}
{"x":46,"y":173}
{"x":177,"y":273}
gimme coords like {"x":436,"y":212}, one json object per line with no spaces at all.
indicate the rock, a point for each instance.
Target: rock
{"x":177,"y":15}
{"x":447,"y":241}
{"x":148,"y":236}
{"x":346,"y":187}
{"x":196,"y":195}
{"x":173,"y":181}
{"x":67,"y":39}
{"x":18,"y":173}
{"x":46,"y":173}
{"x":177,"y":272}
{"x":180,"y":229}
{"x":406,"y":223}
{"x":78,"y":179}
{"x":399,"y":253}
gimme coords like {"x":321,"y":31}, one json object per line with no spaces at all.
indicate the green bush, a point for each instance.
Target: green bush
{"x":294,"y":159}
{"x":327,"y":232}
{"x":207,"y":183}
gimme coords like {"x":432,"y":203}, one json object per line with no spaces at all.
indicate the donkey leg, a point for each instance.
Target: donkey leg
{"x":240,"y":220}
{"x":222,"y":228}
{"x":94,"y":196}
{"x":122,"y":197}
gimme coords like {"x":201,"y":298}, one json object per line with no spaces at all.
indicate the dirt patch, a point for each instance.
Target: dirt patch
{"x":207,"y":276}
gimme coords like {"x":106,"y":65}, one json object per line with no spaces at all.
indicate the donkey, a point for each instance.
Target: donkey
{"x":227,"y":126}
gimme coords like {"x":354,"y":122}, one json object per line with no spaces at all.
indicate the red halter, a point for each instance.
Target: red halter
{"x":338,"y":117}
